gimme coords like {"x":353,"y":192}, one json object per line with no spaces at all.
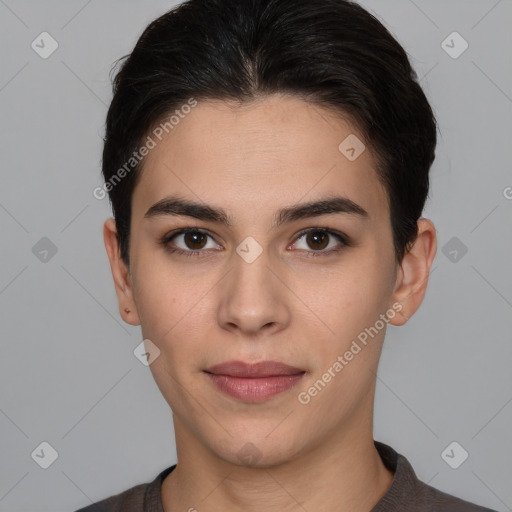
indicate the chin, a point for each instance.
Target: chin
{"x":259,"y":452}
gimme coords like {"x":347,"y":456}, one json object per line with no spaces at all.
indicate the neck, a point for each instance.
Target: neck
{"x":344,"y":473}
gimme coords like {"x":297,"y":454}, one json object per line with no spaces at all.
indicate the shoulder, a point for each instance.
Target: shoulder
{"x":140,"y":498}
{"x":408,"y":493}
{"x":444,"y":502}
{"x":131,"y":500}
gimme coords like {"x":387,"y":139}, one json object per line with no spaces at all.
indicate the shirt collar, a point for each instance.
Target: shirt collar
{"x":404,"y":488}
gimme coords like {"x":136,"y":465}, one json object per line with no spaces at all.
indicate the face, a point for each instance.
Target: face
{"x":264,"y":279}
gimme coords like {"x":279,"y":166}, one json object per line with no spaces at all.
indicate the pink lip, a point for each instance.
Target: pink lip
{"x":254,"y":382}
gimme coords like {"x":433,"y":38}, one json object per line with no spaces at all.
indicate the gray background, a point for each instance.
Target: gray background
{"x":68,"y":375}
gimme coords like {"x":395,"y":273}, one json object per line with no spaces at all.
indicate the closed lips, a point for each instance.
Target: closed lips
{"x":254,"y":370}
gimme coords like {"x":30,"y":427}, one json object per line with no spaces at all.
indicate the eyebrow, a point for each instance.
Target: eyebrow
{"x":177,"y":206}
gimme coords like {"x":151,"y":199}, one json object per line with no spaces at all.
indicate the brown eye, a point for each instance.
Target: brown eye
{"x":194,"y":239}
{"x":189,"y":242}
{"x":321,"y":241}
{"x":317,"y":240}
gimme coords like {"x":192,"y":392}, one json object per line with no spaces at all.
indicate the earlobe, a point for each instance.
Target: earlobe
{"x":120,"y":274}
{"x":414,"y":271}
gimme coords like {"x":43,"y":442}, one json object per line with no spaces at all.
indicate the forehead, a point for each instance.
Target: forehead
{"x":252,"y":157}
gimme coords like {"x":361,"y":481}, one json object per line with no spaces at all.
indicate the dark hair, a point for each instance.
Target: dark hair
{"x":332,"y":53}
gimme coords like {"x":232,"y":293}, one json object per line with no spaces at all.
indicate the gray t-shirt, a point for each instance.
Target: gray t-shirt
{"x":406,"y":494}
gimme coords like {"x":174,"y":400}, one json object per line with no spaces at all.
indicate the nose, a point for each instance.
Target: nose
{"x":254,"y":297}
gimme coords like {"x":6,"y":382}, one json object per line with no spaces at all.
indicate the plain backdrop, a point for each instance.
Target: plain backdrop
{"x":68,"y":374}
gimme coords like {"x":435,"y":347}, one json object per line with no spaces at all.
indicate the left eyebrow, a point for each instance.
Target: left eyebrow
{"x":177,"y":206}
{"x":321,"y":207}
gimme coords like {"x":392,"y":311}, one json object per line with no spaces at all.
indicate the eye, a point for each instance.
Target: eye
{"x":321,"y":241}
{"x":188,"y":242}
{"x":314,"y":241}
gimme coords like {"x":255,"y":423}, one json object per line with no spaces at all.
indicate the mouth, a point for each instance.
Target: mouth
{"x":255,"y":382}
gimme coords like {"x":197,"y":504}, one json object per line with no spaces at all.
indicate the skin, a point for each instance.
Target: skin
{"x":305,"y":311}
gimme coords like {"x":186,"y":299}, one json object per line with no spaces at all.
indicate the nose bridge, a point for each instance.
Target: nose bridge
{"x":251,"y":270}
{"x":252,"y":295}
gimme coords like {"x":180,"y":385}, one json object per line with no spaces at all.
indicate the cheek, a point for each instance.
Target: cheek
{"x":162,"y":294}
{"x":168,"y":306}
{"x":345,"y":298}
{"x":174,"y":311}
{"x":354,"y":299}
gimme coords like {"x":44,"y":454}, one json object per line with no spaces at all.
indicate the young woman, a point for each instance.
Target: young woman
{"x":268,"y":162}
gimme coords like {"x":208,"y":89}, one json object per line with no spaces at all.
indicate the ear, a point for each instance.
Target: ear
{"x":412,"y":276}
{"x":120,"y":274}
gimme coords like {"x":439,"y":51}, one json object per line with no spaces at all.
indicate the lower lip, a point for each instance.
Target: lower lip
{"x":254,"y":389}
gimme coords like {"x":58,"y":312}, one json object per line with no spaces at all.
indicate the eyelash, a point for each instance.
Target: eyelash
{"x":341,"y":237}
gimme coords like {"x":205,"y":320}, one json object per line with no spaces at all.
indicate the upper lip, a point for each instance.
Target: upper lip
{"x":261,"y":369}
